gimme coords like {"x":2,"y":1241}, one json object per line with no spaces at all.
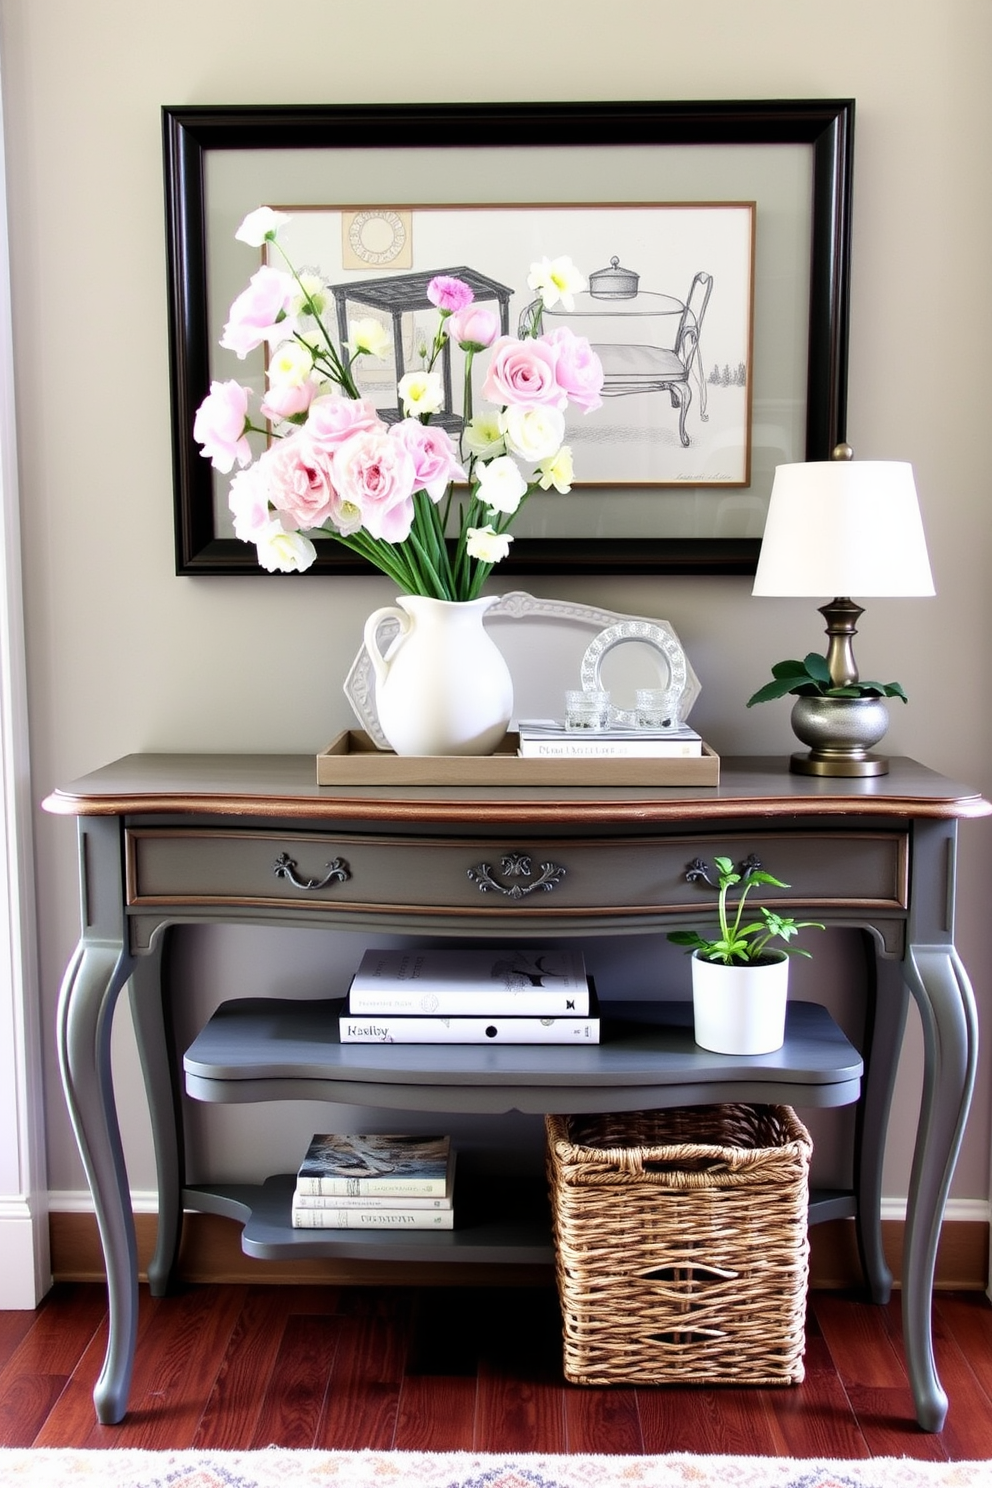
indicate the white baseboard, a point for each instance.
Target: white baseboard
{"x":25,"y":1267}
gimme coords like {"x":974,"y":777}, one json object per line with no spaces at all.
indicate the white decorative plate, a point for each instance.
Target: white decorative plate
{"x":545,"y":642}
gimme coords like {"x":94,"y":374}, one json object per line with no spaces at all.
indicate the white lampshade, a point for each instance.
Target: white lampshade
{"x":850,"y":527}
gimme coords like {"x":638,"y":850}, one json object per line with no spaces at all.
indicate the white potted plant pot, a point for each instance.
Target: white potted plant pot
{"x":740,"y":1009}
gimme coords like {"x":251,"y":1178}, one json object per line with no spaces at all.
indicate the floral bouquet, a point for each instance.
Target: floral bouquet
{"x":331,"y":465}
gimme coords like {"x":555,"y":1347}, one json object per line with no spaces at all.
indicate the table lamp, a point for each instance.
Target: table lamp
{"x":842,"y":527}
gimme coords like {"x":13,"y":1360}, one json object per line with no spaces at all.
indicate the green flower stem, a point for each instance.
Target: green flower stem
{"x":467,"y":394}
{"x":343,"y":374}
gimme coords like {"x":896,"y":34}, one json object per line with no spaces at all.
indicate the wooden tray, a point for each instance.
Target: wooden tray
{"x":352,"y":758}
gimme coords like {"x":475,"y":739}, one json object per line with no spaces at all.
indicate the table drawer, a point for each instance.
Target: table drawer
{"x":216,"y":867}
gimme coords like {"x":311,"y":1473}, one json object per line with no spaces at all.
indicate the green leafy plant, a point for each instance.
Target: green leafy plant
{"x":811,"y":678}
{"x":740,"y":944}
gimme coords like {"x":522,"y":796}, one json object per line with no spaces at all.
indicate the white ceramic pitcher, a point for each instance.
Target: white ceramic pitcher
{"x":442,"y":685}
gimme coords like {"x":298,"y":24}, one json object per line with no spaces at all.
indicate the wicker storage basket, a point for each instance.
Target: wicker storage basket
{"x":681,"y":1244}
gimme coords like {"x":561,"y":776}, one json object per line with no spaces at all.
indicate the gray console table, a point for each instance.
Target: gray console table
{"x":178,"y":839}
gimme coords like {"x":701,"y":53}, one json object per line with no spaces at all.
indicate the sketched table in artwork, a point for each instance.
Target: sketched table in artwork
{"x":647,"y":342}
{"x":399,"y":294}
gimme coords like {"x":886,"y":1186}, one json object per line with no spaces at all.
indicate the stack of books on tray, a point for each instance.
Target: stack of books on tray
{"x":499,"y":996}
{"x":545,"y":738}
{"x":373,"y":1182}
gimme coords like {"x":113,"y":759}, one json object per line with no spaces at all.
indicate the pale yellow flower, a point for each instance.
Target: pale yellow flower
{"x":556,"y":279}
{"x":486,"y":545}
{"x":369,"y":336}
{"x":557,"y":471}
{"x":421,"y":392}
{"x":482,"y":436}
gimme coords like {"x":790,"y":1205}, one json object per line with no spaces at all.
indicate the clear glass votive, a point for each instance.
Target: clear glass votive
{"x":587,"y":710}
{"x":653,"y":708}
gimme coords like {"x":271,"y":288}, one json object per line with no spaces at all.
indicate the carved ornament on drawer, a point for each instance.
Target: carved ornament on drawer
{"x":516,"y":865}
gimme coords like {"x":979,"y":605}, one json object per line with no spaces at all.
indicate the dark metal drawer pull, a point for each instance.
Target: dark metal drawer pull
{"x":516,"y":865}
{"x":285,"y":867}
{"x":698,"y":871}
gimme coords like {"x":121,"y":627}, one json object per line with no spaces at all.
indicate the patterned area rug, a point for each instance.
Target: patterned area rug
{"x":276,"y":1468}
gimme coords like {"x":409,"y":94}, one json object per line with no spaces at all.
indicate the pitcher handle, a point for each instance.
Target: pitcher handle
{"x":380,"y":663}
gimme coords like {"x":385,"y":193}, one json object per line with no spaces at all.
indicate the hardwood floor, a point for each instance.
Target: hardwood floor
{"x":464,"y":1369}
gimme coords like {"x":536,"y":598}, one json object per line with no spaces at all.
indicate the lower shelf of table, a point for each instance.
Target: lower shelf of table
{"x":498,"y":1218}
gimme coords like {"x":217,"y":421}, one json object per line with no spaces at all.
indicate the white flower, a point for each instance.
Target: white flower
{"x":556,"y":279}
{"x":533,"y":433}
{"x":486,"y":545}
{"x":290,"y":365}
{"x":260,"y":226}
{"x":557,"y":471}
{"x":482,"y":436}
{"x":501,"y":485}
{"x":369,"y":336}
{"x":312,"y":297}
{"x":421,"y":392}
{"x":280,"y":551}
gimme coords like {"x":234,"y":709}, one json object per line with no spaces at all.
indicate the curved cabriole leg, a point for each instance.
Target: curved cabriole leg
{"x":682,"y":394}
{"x":148,"y":1017}
{"x":90,"y":989}
{"x":888,"y":1005}
{"x":940,"y":985}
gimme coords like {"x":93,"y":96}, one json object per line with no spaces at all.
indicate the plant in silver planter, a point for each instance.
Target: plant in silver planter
{"x":841,"y":723}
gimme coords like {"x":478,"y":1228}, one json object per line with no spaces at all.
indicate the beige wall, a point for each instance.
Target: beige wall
{"x":125,"y":656}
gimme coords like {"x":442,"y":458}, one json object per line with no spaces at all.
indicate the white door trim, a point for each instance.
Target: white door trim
{"x":25,"y":1270}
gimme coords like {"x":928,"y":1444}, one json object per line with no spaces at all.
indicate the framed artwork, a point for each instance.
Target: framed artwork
{"x":735,"y":214}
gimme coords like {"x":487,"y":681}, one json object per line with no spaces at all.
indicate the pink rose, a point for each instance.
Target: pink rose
{"x":259,"y":312}
{"x":578,"y":370}
{"x":523,"y":372}
{"x":474,"y":328}
{"x":333,"y":419}
{"x":435,"y":459}
{"x":448,"y":293}
{"x":298,"y":481}
{"x":376,"y":474}
{"x":284,"y":401}
{"x":220,"y":425}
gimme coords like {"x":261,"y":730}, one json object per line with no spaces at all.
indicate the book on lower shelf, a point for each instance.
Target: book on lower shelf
{"x":548,"y":739}
{"x":377,"y":1166}
{"x":549,"y":982}
{"x":388,"y":1028}
{"x":334,"y":1217}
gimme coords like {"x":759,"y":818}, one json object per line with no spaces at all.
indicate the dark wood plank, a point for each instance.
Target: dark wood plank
{"x":966,"y":1430}
{"x":602,"y":1420}
{"x":466,"y":1368}
{"x":293,"y":1405}
{"x":815,"y":1418}
{"x":362,"y":1400}
{"x":521,"y":1396}
{"x":860,"y":1343}
{"x":967,"y":1317}
{"x":13,"y":1327}
{"x":724,"y":1419}
{"x":186,"y":1338}
{"x":436,"y":1413}
{"x":872,"y":1370}
{"x":231,"y":1409}
{"x":39,"y":1370}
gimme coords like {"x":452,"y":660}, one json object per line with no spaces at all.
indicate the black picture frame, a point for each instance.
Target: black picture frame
{"x":191,"y":133}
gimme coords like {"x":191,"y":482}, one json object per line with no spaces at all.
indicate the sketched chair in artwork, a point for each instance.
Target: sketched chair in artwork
{"x":634,"y":367}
